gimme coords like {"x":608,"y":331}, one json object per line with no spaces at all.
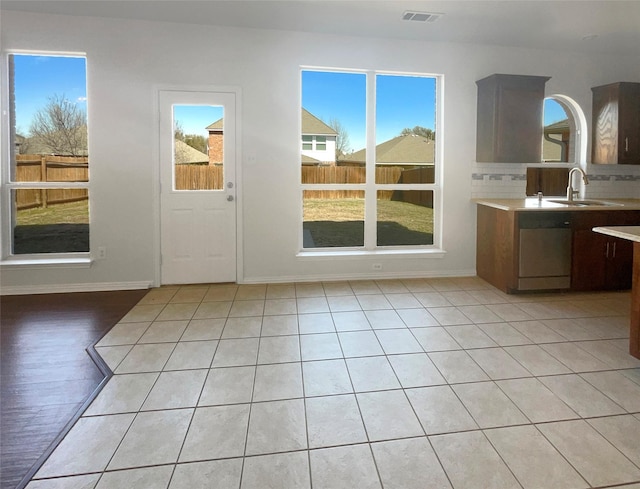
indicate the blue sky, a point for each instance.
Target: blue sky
{"x":194,"y":118}
{"x":401,"y":101}
{"x":553,"y":112}
{"x":39,"y":77}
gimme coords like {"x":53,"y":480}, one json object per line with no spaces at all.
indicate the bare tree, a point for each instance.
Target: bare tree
{"x":419,"y":131}
{"x":343,"y":145}
{"x":61,"y":126}
{"x":23,"y":145}
{"x":178,"y":131}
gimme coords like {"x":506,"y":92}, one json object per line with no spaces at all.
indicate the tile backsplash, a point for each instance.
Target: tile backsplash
{"x":509,"y":181}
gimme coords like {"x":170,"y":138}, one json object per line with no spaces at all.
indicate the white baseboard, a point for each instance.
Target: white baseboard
{"x":62,"y":288}
{"x":359,"y":276}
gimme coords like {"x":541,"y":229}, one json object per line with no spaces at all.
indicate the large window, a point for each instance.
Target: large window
{"x":381,"y":189}
{"x":45,"y":185}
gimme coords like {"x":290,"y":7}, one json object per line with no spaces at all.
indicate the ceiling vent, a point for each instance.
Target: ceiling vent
{"x":420,"y":16}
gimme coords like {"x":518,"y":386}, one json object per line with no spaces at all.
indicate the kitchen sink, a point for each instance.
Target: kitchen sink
{"x":583,"y":203}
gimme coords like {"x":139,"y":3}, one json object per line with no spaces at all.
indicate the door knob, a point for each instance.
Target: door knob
{"x":230,"y":198}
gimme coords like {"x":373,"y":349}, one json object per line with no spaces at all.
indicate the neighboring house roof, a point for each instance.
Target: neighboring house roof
{"x":185,"y":154}
{"x":557,"y":127}
{"x":219,"y":124}
{"x":35,"y":146}
{"x":401,"y":150}
{"x":308,"y":160}
{"x":312,"y":125}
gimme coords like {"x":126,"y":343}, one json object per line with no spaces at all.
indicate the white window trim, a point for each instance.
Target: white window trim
{"x":370,"y":188}
{"x":32,"y":260}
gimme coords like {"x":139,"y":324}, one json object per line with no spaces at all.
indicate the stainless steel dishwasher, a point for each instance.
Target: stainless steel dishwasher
{"x":545,"y":251}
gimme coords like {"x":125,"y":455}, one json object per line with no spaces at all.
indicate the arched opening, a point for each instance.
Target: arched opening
{"x":564,"y":125}
{"x":564,"y":144}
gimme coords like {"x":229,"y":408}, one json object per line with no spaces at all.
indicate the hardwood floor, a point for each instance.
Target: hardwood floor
{"x":46,"y":374}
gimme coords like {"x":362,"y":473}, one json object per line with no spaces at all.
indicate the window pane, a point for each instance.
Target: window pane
{"x":50,"y":221}
{"x":334,"y":112}
{"x":333,"y":218}
{"x":405,"y":129}
{"x":48,"y":118}
{"x":405,"y":217}
{"x":556,"y":138}
{"x":198,"y":147}
{"x":321,"y":143}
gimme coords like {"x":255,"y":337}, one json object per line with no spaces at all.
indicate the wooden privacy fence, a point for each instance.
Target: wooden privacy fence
{"x":47,"y":168}
{"x":199,"y":177}
{"x":384,"y":175}
{"x":36,"y":168}
{"x":205,"y":177}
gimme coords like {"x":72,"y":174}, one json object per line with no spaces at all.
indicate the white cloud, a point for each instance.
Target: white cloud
{"x":81,"y":99}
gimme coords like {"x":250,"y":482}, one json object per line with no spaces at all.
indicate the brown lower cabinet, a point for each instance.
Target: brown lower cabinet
{"x":598,"y":262}
{"x":601,"y":262}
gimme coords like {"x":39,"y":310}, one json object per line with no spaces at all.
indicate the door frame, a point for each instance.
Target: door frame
{"x":157,"y":210}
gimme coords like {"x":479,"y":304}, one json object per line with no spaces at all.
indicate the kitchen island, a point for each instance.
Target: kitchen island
{"x":631,"y":233}
{"x":548,"y":244}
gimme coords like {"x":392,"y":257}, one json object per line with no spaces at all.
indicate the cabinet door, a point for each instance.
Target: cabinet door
{"x":589,"y":261}
{"x":619,"y":264}
{"x":604,"y":149}
{"x":509,"y":124}
{"x":629,"y":124}
{"x":616,"y":124}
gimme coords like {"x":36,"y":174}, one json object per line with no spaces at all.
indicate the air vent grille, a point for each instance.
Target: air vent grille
{"x":420,"y":16}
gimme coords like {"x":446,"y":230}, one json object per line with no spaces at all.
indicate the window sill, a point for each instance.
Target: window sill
{"x":348,"y":254}
{"x":46,"y":263}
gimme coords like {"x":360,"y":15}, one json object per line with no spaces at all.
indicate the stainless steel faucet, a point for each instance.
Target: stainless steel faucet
{"x":570,"y":192}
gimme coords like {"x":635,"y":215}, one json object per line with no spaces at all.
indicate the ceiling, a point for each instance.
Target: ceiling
{"x":606,"y":26}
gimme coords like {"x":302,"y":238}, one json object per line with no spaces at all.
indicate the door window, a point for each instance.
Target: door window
{"x":198,"y":147}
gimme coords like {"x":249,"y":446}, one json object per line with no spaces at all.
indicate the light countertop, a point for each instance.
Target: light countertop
{"x":631,"y":233}
{"x":547,"y":204}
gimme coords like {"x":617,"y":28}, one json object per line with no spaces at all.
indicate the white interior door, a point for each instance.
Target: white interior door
{"x":197,"y":171}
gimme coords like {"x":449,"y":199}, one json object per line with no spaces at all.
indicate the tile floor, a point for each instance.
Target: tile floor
{"x":401,"y":384}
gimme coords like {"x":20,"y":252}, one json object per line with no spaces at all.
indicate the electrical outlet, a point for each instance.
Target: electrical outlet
{"x":377,"y":266}
{"x":102,"y":253}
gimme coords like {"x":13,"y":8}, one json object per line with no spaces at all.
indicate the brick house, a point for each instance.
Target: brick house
{"x":215,"y":142}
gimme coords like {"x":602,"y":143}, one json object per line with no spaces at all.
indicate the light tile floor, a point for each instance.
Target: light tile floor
{"x":401,"y":384}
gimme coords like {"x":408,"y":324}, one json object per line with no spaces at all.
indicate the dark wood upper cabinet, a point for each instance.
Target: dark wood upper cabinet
{"x":509,"y":126}
{"x":616,"y":124}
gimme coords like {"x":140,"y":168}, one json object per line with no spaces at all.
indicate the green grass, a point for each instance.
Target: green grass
{"x":69,"y":213}
{"x":331,"y":222}
{"x":340,"y":222}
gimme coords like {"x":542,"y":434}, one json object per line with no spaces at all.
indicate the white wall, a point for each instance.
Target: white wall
{"x":128,"y":59}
